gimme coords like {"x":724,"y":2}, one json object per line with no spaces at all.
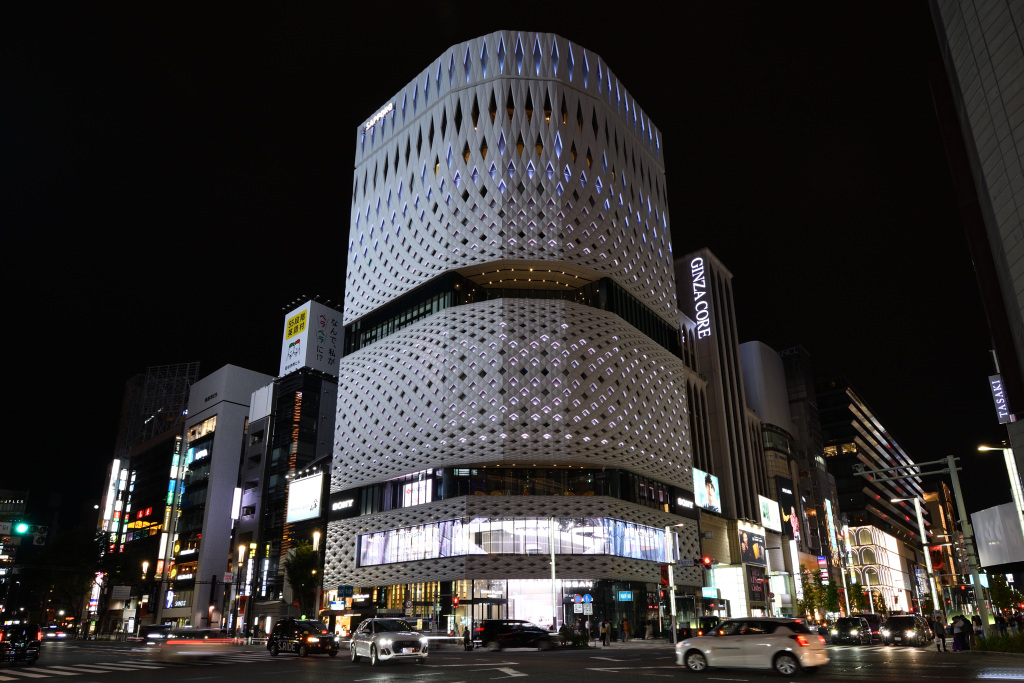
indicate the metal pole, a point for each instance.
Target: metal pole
{"x":1015,"y":489}
{"x":554,"y":593}
{"x":670,"y":547}
{"x":969,"y":540}
{"x":927,"y":555}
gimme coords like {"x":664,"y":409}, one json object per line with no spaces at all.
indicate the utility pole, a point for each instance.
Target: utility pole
{"x":965,"y":523}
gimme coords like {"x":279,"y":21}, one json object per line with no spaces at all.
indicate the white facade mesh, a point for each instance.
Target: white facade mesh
{"x":515,"y":147}
{"x":512,"y":381}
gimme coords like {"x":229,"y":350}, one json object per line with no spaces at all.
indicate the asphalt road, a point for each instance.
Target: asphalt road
{"x":80,"y":662}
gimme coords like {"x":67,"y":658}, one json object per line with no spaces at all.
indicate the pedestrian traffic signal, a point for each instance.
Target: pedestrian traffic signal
{"x":23,"y":528}
{"x":707,"y":561}
{"x":455,"y":601}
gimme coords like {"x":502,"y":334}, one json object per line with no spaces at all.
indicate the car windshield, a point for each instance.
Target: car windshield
{"x":312,"y":626}
{"x":385,"y":626}
{"x":848,"y":623}
{"x":900,"y":622}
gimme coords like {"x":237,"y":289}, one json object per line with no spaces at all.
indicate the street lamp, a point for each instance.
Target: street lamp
{"x":670,"y":556}
{"x":145,"y":568}
{"x":927,"y":551}
{"x":1015,"y":487}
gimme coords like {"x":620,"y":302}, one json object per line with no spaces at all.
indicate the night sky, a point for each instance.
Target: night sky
{"x":173,"y":180}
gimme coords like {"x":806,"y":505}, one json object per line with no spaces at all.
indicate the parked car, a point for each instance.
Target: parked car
{"x":20,"y":643}
{"x":875,"y":621}
{"x":497,"y":634}
{"x":301,"y":636}
{"x":785,"y":645}
{"x":854,"y":630}
{"x":381,"y":640}
{"x":906,"y":629}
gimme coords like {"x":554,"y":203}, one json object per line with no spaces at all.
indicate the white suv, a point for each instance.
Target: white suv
{"x":785,"y":645}
{"x":382,"y":640}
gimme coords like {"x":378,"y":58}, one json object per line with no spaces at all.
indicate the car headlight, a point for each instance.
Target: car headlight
{"x":385,"y":642}
{"x":885,"y":632}
{"x":854,"y":632}
{"x":910,"y":634}
{"x":423,"y":641}
{"x":312,"y":639}
{"x":835,"y":632}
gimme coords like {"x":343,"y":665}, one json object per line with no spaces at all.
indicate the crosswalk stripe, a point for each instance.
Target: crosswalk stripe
{"x":51,"y":671}
{"x":22,"y":672}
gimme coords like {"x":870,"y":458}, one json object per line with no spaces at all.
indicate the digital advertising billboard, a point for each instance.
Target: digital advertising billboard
{"x":304,"y":498}
{"x":752,"y":550}
{"x":705,"y":491}
{"x":788,"y":507}
{"x":770,"y":514}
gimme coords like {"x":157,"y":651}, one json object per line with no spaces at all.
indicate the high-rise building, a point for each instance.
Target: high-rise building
{"x":512,"y":426}
{"x":206,"y":498}
{"x":980,"y":106}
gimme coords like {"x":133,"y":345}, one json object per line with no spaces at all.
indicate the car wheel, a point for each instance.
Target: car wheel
{"x":273,"y":649}
{"x":352,"y":653}
{"x":303,"y":650}
{"x":374,"y":658}
{"x":695,"y":661}
{"x":786,"y":664}
{"x":493,"y":645}
{"x":332,"y":653}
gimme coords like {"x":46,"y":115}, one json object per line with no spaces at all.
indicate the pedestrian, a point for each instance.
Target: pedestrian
{"x":625,"y":630}
{"x":605,"y":638}
{"x":977,"y":627}
{"x":1001,"y":624}
{"x":939,"y":629}
{"x":467,"y":639}
{"x":958,"y":633}
{"x":968,"y":629}
{"x":647,"y":632}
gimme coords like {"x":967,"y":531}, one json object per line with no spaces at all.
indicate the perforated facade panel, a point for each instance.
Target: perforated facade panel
{"x":515,"y":147}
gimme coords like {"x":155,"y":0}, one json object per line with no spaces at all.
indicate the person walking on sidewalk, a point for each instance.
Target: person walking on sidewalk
{"x":605,"y":637}
{"x":625,"y":630}
{"x":939,"y":629}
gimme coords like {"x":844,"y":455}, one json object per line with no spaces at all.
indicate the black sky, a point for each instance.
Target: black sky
{"x":175,"y":176}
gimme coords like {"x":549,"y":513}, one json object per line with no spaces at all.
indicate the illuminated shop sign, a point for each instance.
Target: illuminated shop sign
{"x":701,"y":308}
{"x":752,"y":548}
{"x":625,"y":596}
{"x":344,"y":504}
{"x":995,"y":383}
{"x":184,"y":577}
{"x":388,"y":108}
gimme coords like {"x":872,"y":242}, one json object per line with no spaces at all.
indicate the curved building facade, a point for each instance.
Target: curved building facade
{"x":512,"y":389}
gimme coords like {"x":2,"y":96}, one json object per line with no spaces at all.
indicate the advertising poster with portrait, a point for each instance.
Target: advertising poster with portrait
{"x":752,"y":548}
{"x":756,"y":583}
{"x":789,"y":509}
{"x":705,"y":490}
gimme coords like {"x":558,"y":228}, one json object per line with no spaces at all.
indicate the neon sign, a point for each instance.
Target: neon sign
{"x":380,"y":115}
{"x":700,"y":306}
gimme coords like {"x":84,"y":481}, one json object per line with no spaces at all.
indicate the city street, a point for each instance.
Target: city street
{"x":122,"y":662}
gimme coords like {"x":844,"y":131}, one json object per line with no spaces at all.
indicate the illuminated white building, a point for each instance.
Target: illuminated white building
{"x":512,"y":374}
{"x":877,"y":566}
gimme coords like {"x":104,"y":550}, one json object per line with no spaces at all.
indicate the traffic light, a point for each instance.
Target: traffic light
{"x":707,"y":561}
{"x":23,"y":528}
{"x":455,"y":602}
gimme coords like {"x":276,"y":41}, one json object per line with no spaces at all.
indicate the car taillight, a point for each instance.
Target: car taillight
{"x":821,"y":639}
{"x":801,"y":639}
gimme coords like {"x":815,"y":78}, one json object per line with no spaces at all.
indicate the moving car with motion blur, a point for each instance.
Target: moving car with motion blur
{"x":301,"y":636}
{"x":20,"y":643}
{"x":186,"y":642}
{"x":855,"y":630}
{"x":381,"y":640}
{"x":784,"y":645}
{"x":498,"y":634}
{"x":906,"y":629}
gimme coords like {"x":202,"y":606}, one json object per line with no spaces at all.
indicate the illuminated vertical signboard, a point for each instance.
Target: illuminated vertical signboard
{"x":304,"y":498}
{"x":770,"y":514}
{"x":312,"y":339}
{"x":995,"y":383}
{"x":701,"y":304}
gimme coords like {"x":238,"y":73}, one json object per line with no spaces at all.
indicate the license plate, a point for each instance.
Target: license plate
{"x":897,"y":639}
{"x":408,"y":650}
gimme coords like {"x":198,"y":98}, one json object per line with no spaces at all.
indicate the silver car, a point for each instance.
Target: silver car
{"x":785,"y":645}
{"x":382,"y":640}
